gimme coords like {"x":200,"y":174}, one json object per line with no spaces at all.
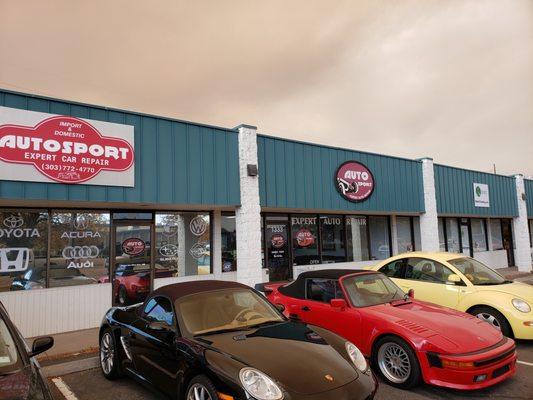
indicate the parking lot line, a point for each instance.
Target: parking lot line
{"x":524,"y":363}
{"x":64,"y":389}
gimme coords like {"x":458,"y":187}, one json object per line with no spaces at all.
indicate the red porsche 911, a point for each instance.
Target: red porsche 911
{"x":407,"y":341}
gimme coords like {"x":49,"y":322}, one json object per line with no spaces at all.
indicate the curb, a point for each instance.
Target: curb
{"x":71,"y":367}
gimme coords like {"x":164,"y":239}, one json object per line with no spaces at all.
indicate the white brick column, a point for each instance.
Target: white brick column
{"x":248,"y":215}
{"x":522,"y":252}
{"x":429,"y":225}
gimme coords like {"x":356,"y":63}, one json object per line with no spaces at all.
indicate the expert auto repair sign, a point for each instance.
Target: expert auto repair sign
{"x":56,"y":148}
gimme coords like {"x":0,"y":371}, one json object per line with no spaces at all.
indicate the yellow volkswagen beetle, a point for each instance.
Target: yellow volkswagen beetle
{"x":465,"y":284}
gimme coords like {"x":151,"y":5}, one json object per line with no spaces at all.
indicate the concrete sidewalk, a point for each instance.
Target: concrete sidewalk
{"x":70,"y":344}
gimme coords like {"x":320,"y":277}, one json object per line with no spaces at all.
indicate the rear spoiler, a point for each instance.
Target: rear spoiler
{"x":269,"y":287}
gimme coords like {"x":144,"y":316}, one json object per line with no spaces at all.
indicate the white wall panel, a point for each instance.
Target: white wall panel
{"x":55,"y":310}
{"x":493,"y":259}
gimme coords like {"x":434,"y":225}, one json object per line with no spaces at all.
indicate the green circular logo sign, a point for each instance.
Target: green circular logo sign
{"x":478,"y":191}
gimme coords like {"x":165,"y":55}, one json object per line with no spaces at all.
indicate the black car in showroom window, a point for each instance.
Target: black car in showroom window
{"x":211,"y":340}
{"x":20,"y":375}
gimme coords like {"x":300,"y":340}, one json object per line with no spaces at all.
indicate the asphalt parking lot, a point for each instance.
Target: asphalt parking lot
{"x":90,"y":384}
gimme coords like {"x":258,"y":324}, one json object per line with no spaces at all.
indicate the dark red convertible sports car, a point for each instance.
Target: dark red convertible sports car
{"x":406,"y":340}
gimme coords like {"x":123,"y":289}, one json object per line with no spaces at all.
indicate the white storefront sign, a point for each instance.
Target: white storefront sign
{"x":51,"y":148}
{"x":481,"y":195}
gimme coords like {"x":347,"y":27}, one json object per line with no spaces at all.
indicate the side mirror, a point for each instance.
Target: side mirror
{"x":40,"y":345}
{"x":411,"y":293}
{"x":338,"y":304}
{"x":454,"y":278}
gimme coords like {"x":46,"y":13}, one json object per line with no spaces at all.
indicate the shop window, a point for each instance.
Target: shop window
{"x":183,"y":244}
{"x":379,"y":238}
{"x":357,"y":238}
{"x":332,"y":238}
{"x":452,"y":235}
{"x":305,"y":239}
{"x":496,"y":234}
{"x":23,"y":250}
{"x":416,"y":231}
{"x":479,"y":234}
{"x":79,"y":248}
{"x":404,"y":234}
{"x":531,"y":233}
{"x":228,"y":234}
{"x":442,"y":237}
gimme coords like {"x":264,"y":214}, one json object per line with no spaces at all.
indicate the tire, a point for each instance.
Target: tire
{"x":405,"y":372}
{"x":122,"y":296}
{"x":493,"y":317}
{"x":201,"y":388}
{"x":109,"y":356}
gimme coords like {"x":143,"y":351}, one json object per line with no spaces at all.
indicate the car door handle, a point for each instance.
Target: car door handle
{"x":305,"y":308}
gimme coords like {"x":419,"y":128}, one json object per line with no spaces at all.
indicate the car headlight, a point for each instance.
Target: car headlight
{"x":357,"y":357}
{"x":259,"y":385}
{"x":521,"y":305}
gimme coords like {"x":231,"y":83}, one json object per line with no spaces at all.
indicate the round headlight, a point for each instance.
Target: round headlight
{"x":259,"y":385}
{"x":357,"y":357}
{"x":521,"y":305}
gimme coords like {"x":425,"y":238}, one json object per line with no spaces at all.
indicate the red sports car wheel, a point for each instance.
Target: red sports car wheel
{"x":396,"y":362}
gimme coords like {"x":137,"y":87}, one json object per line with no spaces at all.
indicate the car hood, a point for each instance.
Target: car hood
{"x":516,"y":289}
{"x":296,"y":356}
{"x":21,"y":385}
{"x":452,"y":331}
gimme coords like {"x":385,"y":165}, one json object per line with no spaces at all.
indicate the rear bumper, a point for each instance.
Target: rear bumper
{"x":489,"y":368}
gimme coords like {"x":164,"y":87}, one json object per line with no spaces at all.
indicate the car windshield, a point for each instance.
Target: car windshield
{"x":476,"y":272}
{"x":9,"y":358}
{"x":371,"y":289}
{"x":224,"y":310}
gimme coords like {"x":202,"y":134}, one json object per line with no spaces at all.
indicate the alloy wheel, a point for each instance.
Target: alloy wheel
{"x":394,"y":363}
{"x":490,"y":319}
{"x":107,"y":353}
{"x":198,"y":392}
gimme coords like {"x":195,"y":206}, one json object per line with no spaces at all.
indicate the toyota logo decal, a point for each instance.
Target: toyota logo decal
{"x":72,"y":252}
{"x":13,"y":222}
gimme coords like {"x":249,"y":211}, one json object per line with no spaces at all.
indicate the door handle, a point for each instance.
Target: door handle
{"x":305,"y":308}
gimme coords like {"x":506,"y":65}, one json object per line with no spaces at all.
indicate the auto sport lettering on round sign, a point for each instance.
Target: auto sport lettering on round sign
{"x":133,"y":246}
{"x":354,"y":181}
{"x":64,"y":149}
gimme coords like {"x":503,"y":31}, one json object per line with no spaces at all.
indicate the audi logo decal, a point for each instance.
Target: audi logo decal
{"x":13,"y":222}
{"x":72,"y":252}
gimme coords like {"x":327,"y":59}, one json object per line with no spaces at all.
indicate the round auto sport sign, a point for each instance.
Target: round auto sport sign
{"x":354,"y":181}
{"x":64,"y":149}
{"x":277,"y":240}
{"x":305,"y":238}
{"x":133,"y":246}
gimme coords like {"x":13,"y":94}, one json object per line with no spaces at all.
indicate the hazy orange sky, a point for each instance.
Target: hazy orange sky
{"x":448,"y":79}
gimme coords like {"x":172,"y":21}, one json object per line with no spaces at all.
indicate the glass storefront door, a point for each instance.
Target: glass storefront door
{"x":507,"y":237}
{"x":277,"y":245}
{"x":465,"y":237}
{"x":132,"y":262}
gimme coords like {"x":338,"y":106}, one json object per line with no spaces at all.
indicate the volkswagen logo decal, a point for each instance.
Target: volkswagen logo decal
{"x":72,"y":252}
{"x":13,"y":222}
{"x":169,"y":250}
{"x":198,"y":226}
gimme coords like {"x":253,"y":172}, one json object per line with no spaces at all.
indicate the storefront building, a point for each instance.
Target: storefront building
{"x":100,"y":206}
